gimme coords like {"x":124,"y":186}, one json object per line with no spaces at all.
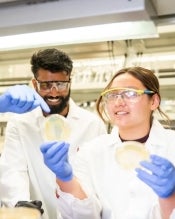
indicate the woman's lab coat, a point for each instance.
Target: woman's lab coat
{"x":24,"y":175}
{"x":121,"y":194}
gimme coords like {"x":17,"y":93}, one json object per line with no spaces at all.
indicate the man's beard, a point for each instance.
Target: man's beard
{"x":57,"y":109}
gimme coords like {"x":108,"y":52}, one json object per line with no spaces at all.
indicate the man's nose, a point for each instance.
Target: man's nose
{"x":54,"y":88}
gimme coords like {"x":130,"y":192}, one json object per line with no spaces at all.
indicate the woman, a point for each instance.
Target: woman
{"x":98,"y":186}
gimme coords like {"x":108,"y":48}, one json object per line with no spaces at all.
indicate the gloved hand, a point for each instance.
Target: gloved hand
{"x":32,"y":204}
{"x":161,"y":175}
{"x":21,"y":99}
{"x":56,"y":159}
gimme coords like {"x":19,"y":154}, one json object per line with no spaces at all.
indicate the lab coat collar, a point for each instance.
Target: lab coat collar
{"x":156,"y":136}
{"x":73,"y":109}
{"x":114,"y":136}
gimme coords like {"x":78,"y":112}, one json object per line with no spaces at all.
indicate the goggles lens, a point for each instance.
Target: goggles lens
{"x":48,"y":85}
{"x":127,"y":94}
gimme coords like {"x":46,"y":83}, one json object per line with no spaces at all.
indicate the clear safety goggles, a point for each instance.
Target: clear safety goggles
{"x":126,"y":94}
{"x":47,"y":86}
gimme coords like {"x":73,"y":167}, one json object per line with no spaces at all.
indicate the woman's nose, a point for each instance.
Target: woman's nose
{"x":119,"y":100}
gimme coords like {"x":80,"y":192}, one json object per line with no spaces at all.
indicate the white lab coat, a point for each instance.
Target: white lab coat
{"x":122,"y":195}
{"x":24,"y":175}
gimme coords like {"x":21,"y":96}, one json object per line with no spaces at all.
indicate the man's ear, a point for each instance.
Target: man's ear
{"x":34,"y":83}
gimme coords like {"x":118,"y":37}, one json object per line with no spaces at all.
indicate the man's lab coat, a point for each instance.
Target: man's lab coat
{"x":24,"y":176}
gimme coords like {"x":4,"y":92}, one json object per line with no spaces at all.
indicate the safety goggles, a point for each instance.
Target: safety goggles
{"x":47,"y":86}
{"x":127,"y":94}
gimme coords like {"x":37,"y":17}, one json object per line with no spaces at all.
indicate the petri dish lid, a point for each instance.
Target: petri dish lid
{"x":56,"y":128}
{"x":130,"y":153}
{"x":19,"y":213}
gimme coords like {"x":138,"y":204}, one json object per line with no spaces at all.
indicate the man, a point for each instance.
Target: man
{"x":24,"y":176}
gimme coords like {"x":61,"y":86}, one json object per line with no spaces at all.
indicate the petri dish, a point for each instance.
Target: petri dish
{"x":56,"y":128}
{"x":130,"y":153}
{"x":19,"y":213}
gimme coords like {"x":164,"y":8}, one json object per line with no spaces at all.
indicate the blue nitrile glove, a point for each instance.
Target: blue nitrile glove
{"x":21,"y":99}
{"x":56,"y":159}
{"x":161,"y":175}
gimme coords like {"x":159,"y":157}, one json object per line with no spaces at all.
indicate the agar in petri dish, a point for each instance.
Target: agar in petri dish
{"x":56,"y":128}
{"x":19,"y":213}
{"x":130,"y":153}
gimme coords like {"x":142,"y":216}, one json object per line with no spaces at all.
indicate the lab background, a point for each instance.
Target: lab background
{"x":117,"y":34}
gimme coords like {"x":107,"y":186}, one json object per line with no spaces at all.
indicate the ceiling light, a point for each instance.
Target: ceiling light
{"x":97,"y":33}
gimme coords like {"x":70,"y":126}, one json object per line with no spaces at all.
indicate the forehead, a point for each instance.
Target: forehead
{"x":46,"y":75}
{"x":127,"y":81}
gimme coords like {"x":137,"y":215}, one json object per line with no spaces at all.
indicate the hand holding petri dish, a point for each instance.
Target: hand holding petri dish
{"x":130,"y":154}
{"x":19,"y":213}
{"x":56,"y":128}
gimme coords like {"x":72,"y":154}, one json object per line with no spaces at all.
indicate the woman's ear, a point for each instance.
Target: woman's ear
{"x":155,"y":102}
